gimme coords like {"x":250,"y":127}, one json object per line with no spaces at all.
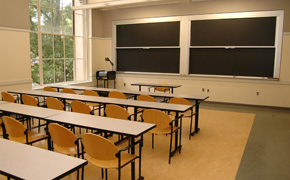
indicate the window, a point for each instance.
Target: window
{"x":56,"y":42}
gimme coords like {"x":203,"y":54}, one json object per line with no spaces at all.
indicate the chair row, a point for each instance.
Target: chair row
{"x":99,"y":151}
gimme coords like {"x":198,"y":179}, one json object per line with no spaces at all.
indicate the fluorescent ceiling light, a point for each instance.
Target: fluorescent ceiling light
{"x":109,"y":4}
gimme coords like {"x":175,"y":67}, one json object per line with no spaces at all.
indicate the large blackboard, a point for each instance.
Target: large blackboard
{"x":148,"y":34}
{"x":148,"y":47}
{"x":256,"y":62}
{"x":255,"y":35}
{"x":148,"y":60}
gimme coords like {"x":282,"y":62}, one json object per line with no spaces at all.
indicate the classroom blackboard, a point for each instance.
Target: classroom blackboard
{"x":148,"y":34}
{"x":148,"y":60}
{"x":233,"y":47}
{"x":252,"y":62}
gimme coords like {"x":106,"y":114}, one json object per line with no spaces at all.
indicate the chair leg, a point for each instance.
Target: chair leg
{"x":106,"y":173}
{"x":190,"y":128}
{"x":152,"y":141}
{"x":119,"y":173}
{"x":102,"y":173}
{"x":170,"y":148}
{"x":78,"y":173}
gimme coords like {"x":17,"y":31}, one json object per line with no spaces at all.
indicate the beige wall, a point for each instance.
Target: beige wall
{"x":241,"y":91}
{"x":15,"y":69}
{"x":14,"y":13}
{"x":190,"y":8}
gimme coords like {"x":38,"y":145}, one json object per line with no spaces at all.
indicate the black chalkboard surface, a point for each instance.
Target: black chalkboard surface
{"x":256,"y":62}
{"x":148,"y":34}
{"x":234,"y":32}
{"x":148,"y":60}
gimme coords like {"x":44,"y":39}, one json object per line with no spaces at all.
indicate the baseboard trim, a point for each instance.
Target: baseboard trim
{"x":16,"y":82}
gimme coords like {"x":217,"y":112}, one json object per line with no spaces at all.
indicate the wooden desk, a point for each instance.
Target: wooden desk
{"x":170,"y":86}
{"x":196,"y":98}
{"x":117,"y":126}
{"x":20,"y":161}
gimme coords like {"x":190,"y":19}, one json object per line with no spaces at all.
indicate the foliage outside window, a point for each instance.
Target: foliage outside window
{"x":52,"y":41}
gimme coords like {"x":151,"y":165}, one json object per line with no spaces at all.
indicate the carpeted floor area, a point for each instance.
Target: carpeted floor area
{"x":214,"y":153}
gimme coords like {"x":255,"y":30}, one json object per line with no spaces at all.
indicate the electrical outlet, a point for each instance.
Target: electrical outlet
{"x":207,"y":90}
{"x":202,"y":89}
{"x":258,"y":93}
{"x":124,"y":84}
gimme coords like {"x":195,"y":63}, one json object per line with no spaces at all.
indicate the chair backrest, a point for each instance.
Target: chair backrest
{"x":8,"y":97}
{"x":47,"y":88}
{"x":13,"y":127}
{"x":143,"y":97}
{"x":99,"y":147}
{"x":178,"y":100}
{"x":157,"y":117}
{"x":68,"y":90}
{"x":117,"y":94}
{"x":53,"y":103}
{"x":162,"y":89}
{"x":80,"y":107}
{"x":115,"y":111}
{"x":61,"y":136}
{"x":90,"y":93}
{"x":29,"y":100}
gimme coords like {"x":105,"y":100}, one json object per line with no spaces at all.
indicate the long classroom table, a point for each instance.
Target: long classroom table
{"x":130,"y":128}
{"x":177,"y":108}
{"x":35,"y":163}
{"x":196,"y":98}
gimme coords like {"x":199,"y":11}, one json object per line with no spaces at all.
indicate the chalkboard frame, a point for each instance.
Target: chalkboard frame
{"x":185,"y":36}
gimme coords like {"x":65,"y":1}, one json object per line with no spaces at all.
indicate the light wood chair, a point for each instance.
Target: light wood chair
{"x":63,"y":140}
{"x":188,"y":113}
{"x":47,"y":88}
{"x":117,"y":94}
{"x":94,"y":106}
{"x":69,"y":91}
{"x":80,"y":107}
{"x":17,"y":132}
{"x":144,"y":97}
{"x":31,"y":101}
{"x":162,"y":89}
{"x":115,"y":111}
{"x":104,"y":154}
{"x":53,"y":103}
{"x":9,"y":98}
{"x":164,"y":125}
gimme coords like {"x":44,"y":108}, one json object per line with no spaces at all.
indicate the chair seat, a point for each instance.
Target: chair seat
{"x":32,"y":136}
{"x":111,"y":164}
{"x":66,"y":150}
{"x":163,"y":130}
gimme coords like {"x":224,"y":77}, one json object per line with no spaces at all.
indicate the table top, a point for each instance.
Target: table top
{"x":154,"y":94}
{"x":116,"y":126}
{"x":157,"y":85}
{"x":106,"y":100}
{"x":27,"y":110}
{"x":27,"y":162}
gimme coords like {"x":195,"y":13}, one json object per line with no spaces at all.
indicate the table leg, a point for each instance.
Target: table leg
{"x":196,"y":129}
{"x":133,"y":162}
{"x":139,"y":88}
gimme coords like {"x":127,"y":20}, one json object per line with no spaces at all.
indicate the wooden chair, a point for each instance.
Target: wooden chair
{"x":63,"y":140}
{"x":115,"y":111}
{"x":189,"y":113}
{"x":104,"y":154}
{"x":69,"y":91}
{"x":31,"y":101}
{"x":47,"y":88}
{"x":80,"y":107}
{"x":164,"y":125}
{"x":17,"y":132}
{"x":9,"y":98}
{"x":53,"y":103}
{"x":117,"y":94}
{"x":93,"y":105}
{"x":162,"y":89}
